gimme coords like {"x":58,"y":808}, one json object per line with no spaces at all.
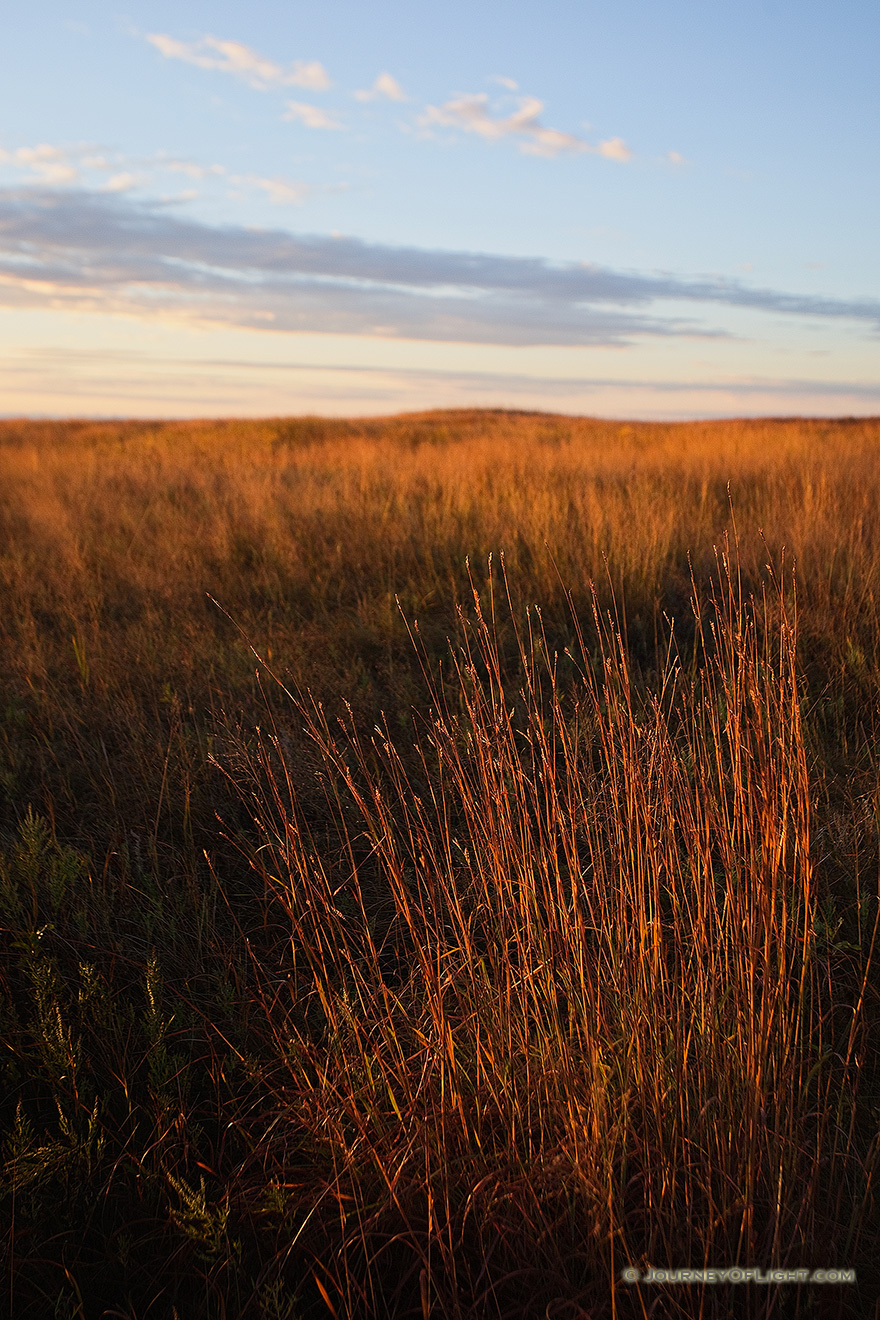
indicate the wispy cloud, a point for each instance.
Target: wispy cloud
{"x":190,"y":168}
{"x":279,"y":190}
{"x":614,"y":149}
{"x":471,"y":113}
{"x":122,"y":182}
{"x":384,"y":87}
{"x":77,"y":165}
{"x":234,"y":58}
{"x":50,"y":164}
{"x":310,"y":115}
{"x":102,"y":251}
{"x":53,"y":165}
{"x":51,"y":381}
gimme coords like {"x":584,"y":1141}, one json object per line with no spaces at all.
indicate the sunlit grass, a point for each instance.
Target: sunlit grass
{"x":556,"y":1003}
{"x":394,"y":932}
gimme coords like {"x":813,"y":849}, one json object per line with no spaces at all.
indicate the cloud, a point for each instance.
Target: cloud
{"x":175,"y":199}
{"x":50,"y":164}
{"x":62,"y":381}
{"x":37,"y":155}
{"x":310,"y":115}
{"x":54,"y":166}
{"x":279,"y":190}
{"x":242,"y":62}
{"x":471,"y":114}
{"x":120,"y":183}
{"x":384,"y":86}
{"x":615,"y":149}
{"x":101,"y":251}
{"x":190,"y":168}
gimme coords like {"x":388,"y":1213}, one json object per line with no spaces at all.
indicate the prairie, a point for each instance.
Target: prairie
{"x":438,"y":866}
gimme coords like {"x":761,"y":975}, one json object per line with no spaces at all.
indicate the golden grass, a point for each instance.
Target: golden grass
{"x":553,"y":954}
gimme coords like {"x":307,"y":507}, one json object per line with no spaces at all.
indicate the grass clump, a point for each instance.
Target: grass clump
{"x":557,"y":1002}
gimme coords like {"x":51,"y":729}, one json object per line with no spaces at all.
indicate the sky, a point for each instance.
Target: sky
{"x":634,"y":210}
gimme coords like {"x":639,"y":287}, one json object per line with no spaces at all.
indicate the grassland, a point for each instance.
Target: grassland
{"x":438,"y":866}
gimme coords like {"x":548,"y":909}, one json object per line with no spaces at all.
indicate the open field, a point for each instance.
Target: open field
{"x":438,"y":866}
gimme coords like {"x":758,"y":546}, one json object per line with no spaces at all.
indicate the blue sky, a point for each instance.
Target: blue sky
{"x":635,"y":210}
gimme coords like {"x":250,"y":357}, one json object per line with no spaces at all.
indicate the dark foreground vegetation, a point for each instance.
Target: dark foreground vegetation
{"x":392,"y":930}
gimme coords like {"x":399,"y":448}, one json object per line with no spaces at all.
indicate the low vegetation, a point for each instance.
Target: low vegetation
{"x":438,"y":866}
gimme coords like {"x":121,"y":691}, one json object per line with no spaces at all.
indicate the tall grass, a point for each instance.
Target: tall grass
{"x":536,"y":937}
{"x":556,"y":1005}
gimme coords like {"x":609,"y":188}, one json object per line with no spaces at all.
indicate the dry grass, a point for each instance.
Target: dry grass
{"x":455,"y":1017}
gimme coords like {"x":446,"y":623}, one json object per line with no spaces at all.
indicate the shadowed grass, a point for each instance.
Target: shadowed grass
{"x":554,"y":956}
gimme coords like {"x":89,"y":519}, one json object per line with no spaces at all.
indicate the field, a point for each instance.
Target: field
{"x":438,"y":866}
